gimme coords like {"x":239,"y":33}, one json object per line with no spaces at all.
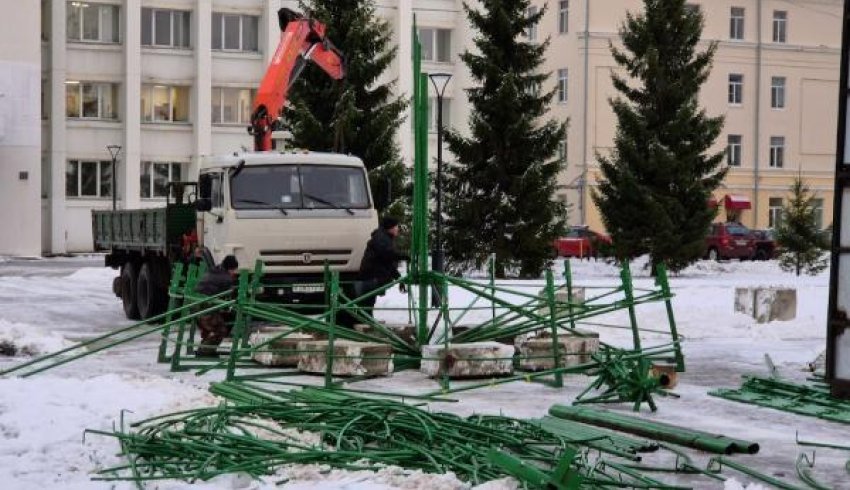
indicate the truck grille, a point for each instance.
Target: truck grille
{"x":305,"y":258}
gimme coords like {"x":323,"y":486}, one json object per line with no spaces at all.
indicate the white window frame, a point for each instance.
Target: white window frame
{"x":221,"y":121}
{"x":78,"y":162}
{"x":563,"y":85}
{"x":153,"y":119}
{"x":780,"y":26}
{"x":563,"y":16}
{"x":435,"y":44}
{"x":152,"y":177}
{"x":172,"y":13}
{"x":774,"y":212}
{"x":817,"y":207}
{"x":777,"y":92}
{"x":100,"y":102}
{"x":79,"y":5}
{"x":562,"y":150}
{"x":242,"y":17}
{"x":736,"y":90}
{"x":777,"y":152}
{"x":736,"y":23}
{"x":531,"y":32}
{"x":734,"y":150}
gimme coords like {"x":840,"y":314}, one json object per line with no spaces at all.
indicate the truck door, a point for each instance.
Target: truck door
{"x":212,"y":228}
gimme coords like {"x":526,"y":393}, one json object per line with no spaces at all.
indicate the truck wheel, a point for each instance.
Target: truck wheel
{"x":149,"y":292}
{"x":128,"y":291}
{"x":761,"y":254}
{"x":713,"y":254}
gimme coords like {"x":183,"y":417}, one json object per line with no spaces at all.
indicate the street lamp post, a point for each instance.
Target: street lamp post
{"x":440,"y":81}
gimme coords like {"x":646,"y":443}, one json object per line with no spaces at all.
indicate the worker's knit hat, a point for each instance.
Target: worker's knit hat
{"x":388,"y":222}
{"x":229,"y":263}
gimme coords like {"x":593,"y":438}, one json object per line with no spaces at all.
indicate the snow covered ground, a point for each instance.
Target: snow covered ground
{"x":44,"y":304}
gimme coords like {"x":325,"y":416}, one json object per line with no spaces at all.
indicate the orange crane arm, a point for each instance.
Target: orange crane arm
{"x":301,"y":40}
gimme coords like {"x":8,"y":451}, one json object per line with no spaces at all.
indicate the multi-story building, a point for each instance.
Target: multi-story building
{"x":170,"y":80}
{"x":775,"y":79}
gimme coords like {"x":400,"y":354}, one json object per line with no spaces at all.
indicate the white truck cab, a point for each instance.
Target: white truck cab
{"x":293,"y":210}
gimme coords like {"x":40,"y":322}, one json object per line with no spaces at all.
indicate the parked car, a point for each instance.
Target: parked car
{"x":582,"y":242}
{"x":729,"y":241}
{"x":765,"y":245}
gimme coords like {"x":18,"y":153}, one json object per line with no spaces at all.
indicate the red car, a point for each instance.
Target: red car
{"x":582,"y":242}
{"x":729,"y":241}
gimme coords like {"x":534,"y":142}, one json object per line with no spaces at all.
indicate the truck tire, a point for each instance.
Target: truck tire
{"x":129,"y":278}
{"x":150,"y":293}
{"x":761,"y":254}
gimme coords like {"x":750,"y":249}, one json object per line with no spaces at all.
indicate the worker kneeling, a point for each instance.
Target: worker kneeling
{"x":215,"y":326}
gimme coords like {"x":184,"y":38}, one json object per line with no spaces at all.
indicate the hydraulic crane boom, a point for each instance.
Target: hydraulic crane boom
{"x":301,"y":40}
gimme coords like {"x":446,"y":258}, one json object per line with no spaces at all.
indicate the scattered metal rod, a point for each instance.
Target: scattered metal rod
{"x":704,"y":441}
{"x":819,"y":444}
{"x":716,"y":464}
{"x":804,"y":467}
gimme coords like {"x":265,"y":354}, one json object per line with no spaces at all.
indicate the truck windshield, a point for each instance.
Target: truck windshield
{"x":299,"y":187}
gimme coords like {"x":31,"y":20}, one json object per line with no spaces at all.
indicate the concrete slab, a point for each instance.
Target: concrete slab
{"x":404,"y":331}
{"x":767,"y":304}
{"x":350,"y":358}
{"x":280,"y":352}
{"x":536,"y":354}
{"x":472,"y":360}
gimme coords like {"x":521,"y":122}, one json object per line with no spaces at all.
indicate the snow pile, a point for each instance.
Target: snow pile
{"x":19,"y":339}
{"x":733,"y":484}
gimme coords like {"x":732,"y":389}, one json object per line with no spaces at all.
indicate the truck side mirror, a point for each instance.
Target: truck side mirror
{"x":203,"y":204}
{"x":385,"y":198}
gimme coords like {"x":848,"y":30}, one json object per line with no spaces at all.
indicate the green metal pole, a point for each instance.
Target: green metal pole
{"x":661,"y":281}
{"x":239,"y":326}
{"x":492,"y":270}
{"x":173,"y":291}
{"x":568,"y":276}
{"x":334,"y":305}
{"x":553,"y":325}
{"x":444,"y":307}
{"x":188,"y":287}
{"x":629,"y":291}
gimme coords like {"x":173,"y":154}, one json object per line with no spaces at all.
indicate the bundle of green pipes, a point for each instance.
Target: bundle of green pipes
{"x":602,"y":440}
{"x":257,"y":432}
{"x":812,"y":399}
{"x":704,"y":441}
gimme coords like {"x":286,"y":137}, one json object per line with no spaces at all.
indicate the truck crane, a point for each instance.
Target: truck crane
{"x":295,"y":211}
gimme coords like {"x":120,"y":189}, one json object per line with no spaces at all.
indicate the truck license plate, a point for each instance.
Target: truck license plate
{"x":308,"y":288}
{"x":740,"y":243}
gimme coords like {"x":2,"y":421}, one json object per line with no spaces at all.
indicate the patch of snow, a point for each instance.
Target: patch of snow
{"x":31,"y":340}
{"x":733,"y":484}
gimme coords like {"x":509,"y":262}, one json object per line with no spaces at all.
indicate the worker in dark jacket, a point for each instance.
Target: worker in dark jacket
{"x":380,"y":261}
{"x":213,"y":327}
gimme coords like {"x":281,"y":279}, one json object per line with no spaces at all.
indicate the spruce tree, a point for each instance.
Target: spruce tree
{"x":499,"y":191}
{"x":358,"y":115}
{"x":801,"y":242}
{"x":657,"y":180}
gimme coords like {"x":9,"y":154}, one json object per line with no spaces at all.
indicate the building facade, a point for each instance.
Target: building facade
{"x":170,"y":80}
{"x":775,"y":79}
{"x":20,"y":133}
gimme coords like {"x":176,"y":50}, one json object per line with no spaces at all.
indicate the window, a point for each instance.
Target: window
{"x":531,"y":32}
{"x":777,"y":92}
{"x":692,"y":8}
{"x":817,"y":207}
{"x":774,"y":212}
{"x":88,"y":178}
{"x":780,"y":26}
{"x":232,"y":105}
{"x":92,"y":22}
{"x":163,"y":103}
{"x":282,"y":187}
{"x":562,"y":151}
{"x":736,"y":89}
{"x":563,"y":76}
{"x":733,"y":150}
{"x":155,"y":176}
{"x":563,"y":16}
{"x":736,"y":23}
{"x":45,"y":99}
{"x":436,"y":44}
{"x":167,"y":28}
{"x":209,"y":187}
{"x":91,"y":100}
{"x":235,"y":32}
{"x":777,"y":151}
{"x":432,"y":113}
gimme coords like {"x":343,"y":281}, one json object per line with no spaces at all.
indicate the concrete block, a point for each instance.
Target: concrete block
{"x":561,"y":299}
{"x":350,"y":358}
{"x":404,"y":331}
{"x":767,"y":304}
{"x":536,"y":353}
{"x":472,"y":360}
{"x":280,"y":352}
